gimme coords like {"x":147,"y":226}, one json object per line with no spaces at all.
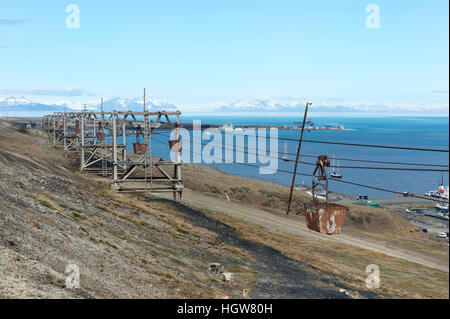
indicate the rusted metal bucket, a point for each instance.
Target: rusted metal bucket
{"x":325,"y":218}
{"x":101,"y":136}
{"x":77,"y":130}
{"x":176,"y":146}
{"x":139,"y":148}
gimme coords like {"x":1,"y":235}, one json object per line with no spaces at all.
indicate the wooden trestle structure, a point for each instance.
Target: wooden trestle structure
{"x":99,"y":140}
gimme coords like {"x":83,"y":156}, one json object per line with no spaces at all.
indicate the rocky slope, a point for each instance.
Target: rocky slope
{"x":125,"y":247}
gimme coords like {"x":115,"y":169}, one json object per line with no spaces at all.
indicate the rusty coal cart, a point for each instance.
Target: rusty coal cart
{"x":139,"y":147}
{"x":101,"y":134}
{"x":323,"y":217}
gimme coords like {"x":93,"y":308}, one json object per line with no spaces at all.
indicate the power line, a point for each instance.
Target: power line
{"x":332,"y":166}
{"x":382,"y":162}
{"x":381,"y":146}
{"x":336,"y":180}
{"x":366,"y":161}
{"x":356,"y":144}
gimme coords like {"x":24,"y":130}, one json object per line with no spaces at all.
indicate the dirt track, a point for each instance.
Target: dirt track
{"x":294,"y":225}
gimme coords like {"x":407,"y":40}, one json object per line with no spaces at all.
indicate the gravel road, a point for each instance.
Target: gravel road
{"x":295,"y":225}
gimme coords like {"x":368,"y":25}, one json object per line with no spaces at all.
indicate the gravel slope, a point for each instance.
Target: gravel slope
{"x":51,"y":217}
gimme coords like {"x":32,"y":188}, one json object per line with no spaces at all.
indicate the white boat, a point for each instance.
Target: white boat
{"x":300,"y":188}
{"x":336,"y":173}
{"x":441,"y":193}
{"x":444,"y":192}
{"x":227,"y":127}
{"x":443,"y":207}
{"x":318,"y":197}
{"x":285,"y":157}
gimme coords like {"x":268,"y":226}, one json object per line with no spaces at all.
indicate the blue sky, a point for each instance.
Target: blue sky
{"x":198,"y":54}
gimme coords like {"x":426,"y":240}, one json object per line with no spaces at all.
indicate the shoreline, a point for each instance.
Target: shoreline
{"x":189,"y":126}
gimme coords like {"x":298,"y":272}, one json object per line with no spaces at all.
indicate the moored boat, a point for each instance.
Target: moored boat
{"x":336,"y":173}
{"x":441,"y":206}
{"x":285,"y":156}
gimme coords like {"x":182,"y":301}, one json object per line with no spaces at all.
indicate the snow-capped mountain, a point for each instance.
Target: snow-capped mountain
{"x":21,"y":106}
{"x":295,"y":105}
{"x":14,"y":101}
{"x":262,"y":105}
{"x":134,"y":104}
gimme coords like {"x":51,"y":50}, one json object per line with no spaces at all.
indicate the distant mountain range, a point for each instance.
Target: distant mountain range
{"x":13,"y":104}
{"x":262,"y":105}
{"x":134,"y":104}
{"x":21,"y":106}
{"x":268,"y":105}
{"x":24,"y":106}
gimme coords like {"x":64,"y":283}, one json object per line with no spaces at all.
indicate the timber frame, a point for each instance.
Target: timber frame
{"x":99,"y":140}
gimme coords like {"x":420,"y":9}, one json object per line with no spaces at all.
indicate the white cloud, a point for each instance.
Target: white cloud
{"x":71,"y":91}
{"x":12,"y":21}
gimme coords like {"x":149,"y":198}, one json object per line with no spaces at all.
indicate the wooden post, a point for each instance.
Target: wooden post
{"x":94,"y":124}
{"x":124,"y":141}
{"x":177,"y":157}
{"x":114,"y":150}
{"x":65,"y":128}
{"x":82,"y":141}
{"x":296,"y":158}
{"x":54,"y":130}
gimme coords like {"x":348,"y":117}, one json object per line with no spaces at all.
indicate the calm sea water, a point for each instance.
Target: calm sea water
{"x":426,"y":132}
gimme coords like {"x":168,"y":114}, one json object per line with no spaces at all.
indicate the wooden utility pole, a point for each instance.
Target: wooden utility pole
{"x":144,"y":100}
{"x":296,"y":158}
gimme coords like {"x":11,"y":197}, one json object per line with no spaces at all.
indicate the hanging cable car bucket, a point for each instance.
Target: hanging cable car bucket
{"x":325,"y":218}
{"x":139,"y":148}
{"x":101,"y":136}
{"x":175,"y":146}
